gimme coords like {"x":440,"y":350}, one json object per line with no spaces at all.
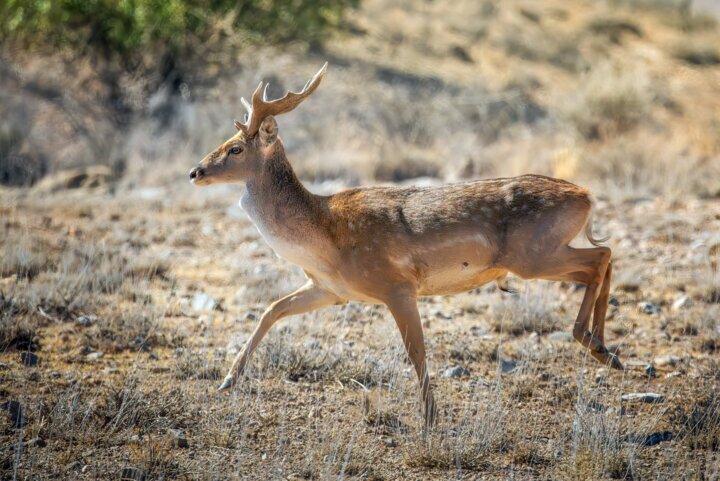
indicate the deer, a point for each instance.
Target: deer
{"x":393,"y":245}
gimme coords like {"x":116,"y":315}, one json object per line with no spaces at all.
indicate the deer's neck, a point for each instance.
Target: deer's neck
{"x":277,"y":201}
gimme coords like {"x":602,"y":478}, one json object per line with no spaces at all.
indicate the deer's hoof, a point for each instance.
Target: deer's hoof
{"x":615,"y":363}
{"x":226,"y":385}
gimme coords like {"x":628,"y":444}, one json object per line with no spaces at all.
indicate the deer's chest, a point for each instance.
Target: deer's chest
{"x":295,"y":242}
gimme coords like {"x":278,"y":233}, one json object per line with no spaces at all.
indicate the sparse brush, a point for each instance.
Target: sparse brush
{"x":610,"y":102}
{"x":699,"y":426}
{"x":533,"y":310}
{"x":699,"y":55}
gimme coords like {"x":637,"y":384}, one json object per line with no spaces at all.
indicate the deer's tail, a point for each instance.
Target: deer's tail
{"x":597,"y":242}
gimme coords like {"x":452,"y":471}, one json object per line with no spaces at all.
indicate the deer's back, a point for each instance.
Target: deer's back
{"x":425,"y":211}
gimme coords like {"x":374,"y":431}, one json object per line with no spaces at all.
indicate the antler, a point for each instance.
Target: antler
{"x":261,"y":107}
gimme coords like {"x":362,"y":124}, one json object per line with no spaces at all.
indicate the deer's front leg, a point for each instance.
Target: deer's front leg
{"x":306,"y":299}
{"x":404,"y":309}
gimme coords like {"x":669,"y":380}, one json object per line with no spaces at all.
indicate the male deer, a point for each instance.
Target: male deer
{"x":391,"y":245}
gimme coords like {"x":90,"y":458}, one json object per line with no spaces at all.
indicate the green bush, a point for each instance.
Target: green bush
{"x":129,"y":27}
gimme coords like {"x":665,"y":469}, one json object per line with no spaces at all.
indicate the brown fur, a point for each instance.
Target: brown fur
{"x":392,"y":245}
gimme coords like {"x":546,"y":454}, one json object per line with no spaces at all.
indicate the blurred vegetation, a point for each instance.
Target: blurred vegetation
{"x":125,"y":29}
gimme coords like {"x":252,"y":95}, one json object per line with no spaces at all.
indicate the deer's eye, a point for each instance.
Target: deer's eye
{"x":235,"y":150}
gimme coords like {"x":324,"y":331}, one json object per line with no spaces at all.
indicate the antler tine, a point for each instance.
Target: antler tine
{"x":262,"y":107}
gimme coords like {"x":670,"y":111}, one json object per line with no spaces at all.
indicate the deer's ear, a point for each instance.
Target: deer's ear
{"x":268,"y":131}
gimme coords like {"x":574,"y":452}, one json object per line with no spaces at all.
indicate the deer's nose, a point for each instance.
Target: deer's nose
{"x":196,"y":173}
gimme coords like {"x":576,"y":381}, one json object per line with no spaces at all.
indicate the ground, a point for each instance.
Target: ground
{"x":332,"y":392}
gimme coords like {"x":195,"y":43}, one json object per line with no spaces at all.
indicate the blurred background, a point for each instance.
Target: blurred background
{"x":622,"y":95}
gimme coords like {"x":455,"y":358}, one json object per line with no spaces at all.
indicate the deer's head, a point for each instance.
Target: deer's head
{"x":243,"y":154}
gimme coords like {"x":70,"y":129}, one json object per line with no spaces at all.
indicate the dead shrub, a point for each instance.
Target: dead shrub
{"x":610,"y":102}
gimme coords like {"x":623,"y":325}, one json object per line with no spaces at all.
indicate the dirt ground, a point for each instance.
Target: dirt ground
{"x":135,"y":303}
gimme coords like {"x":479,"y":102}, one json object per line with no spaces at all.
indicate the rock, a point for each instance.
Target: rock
{"x":135,"y":439}
{"x":311,"y":344}
{"x":645,"y":397}
{"x":614,"y":302}
{"x":177,"y":439}
{"x":85,"y":350}
{"x":650,"y":370}
{"x":441,"y":314}
{"x":682,"y":302}
{"x":4,"y":367}
{"x":561,"y":336}
{"x":86,"y":321}
{"x":94,"y":356}
{"x":29,"y":359}
{"x":153,"y":356}
{"x":507,"y":366}
{"x":203,"y":302}
{"x":456,"y":371}
{"x":628,"y":287}
{"x":649,"y":439}
{"x":140,"y":343}
{"x":668,"y":360}
{"x":89,"y":177}
{"x":37,"y":442}
{"x":132,"y":474}
{"x":390,"y":442}
{"x":649,"y":308}
{"x":15,"y":413}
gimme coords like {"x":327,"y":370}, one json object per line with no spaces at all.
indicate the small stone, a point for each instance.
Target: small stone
{"x":86,"y":321}
{"x":561,"y":336}
{"x":668,"y":360}
{"x":85,"y":350}
{"x":442,"y":314}
{"x":649,"y":308}
{"x":390,"y":442}
{"x":135,"y":439}
{"x":140,"y":343}
{"x":4,"y":367}
{"x":95,"y":356}
{"x":177,"y":439}
{"x":650,"y":439}
{"x":15,"y":413}
{"x":203,"y":302}
{"x":650,"y":370}
{"x":132,"y":474}
{"x":614,"y":302}
{"x":311,"y":344}
{"x":682,"y":302}
{"x":29,"y":359}
{"x":645,"y":397}
{"x":37,"y":442}
{"x":456,"y":371}
{"x":154,"y":356}
{"x":508,"y":366}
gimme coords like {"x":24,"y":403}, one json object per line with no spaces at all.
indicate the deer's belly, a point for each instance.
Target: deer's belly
{"x":456,"y":267}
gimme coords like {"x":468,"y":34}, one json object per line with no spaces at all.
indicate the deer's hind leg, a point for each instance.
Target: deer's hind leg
{"x":585,"y":266}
